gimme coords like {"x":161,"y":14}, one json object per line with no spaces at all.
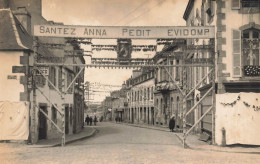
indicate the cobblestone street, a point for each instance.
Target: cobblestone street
{"x":117,"y":143}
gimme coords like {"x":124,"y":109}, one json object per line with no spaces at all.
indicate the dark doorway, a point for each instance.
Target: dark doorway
{"x":42,"y":123}
{"x":148,"y":116}
{"x":132,"y":115}
{"x":66,"y":120}
{"x":144,"y":115}
{"x":152,"y":115}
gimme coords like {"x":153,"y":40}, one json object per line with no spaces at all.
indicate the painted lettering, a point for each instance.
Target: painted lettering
{"x":73,"y":31}
{"x":206,"y":31}
{"x":95,"y":32}
{"x":124,"y":31}
{"x":66,"y":31}
{"x":200,"y":32}
{"x":41,"y":29}
{"x":193,"y":32}
{"x":185,"y":32}
{"x":170,"y":32}
{"x":131,"y":32}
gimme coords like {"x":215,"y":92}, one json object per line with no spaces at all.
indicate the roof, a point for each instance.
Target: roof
{"x":13,"y":35}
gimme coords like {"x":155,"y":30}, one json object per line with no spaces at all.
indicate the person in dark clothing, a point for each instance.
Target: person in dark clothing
{"x":95,"y":120}
{"x":87,"y":120}
{"x":90,"y":121}
{"x":172,"y":124}
{"x":116,"y":119}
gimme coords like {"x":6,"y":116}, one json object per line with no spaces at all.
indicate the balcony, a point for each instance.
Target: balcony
{"x":251,"y":70}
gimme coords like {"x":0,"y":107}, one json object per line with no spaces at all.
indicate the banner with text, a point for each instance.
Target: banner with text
{"x":131,"y":32}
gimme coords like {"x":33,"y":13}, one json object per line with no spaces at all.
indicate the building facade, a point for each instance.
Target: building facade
{"x":237,"y":67}
{"x":19,"y":55}
{"x":167,"y":96}
{"x":140,"y":97}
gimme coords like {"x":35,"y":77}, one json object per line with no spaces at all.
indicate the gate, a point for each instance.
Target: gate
{"x":102,"y":32}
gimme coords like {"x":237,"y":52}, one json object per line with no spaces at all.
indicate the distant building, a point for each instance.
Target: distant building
{"x":167,"y":97}
{"x":140,"y":97}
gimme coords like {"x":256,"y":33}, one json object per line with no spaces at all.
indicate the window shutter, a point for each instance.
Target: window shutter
{"x":60,"y":78}
{"x":235,"y":4}
{"x":236,"y":47}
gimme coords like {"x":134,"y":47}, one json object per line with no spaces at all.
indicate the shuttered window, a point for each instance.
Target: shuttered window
{"x":235,"y":4}
{"x":60,"y":78}
{"x":52,"y":77}
{"x":236,"y":43}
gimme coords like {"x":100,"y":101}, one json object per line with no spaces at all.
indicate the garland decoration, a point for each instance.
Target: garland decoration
{"x":255,"y":107}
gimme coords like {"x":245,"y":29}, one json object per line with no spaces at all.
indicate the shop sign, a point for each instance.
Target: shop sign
{"x":44,"y":71}
{"x":11,"y":77}
{"x":128,"y":32}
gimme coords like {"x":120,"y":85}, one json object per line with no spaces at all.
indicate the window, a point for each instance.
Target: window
{"x":52,"y":77}
{"x":235,"y":4}
{"x":250,"y":3}
{"x":69,"y":80}
{"x":144,"y":94}
{"x":148,"y":93}
{"x":152,"y":93}
{"x":250,"y":47}
{"x":161,"y":106}
{"x":60,"y":78}
{"x":54,"y":114}
{"x":251,"y":51}
{"x":71,"y":115}
{"x":177,"y":71}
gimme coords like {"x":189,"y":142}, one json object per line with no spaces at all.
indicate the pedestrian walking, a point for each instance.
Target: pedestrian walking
{"x":87,"y":120}
{"x":90,"y":121}
{"x":95,"y":120}
{"x":116,"y":119}
{"x":172,"y":123}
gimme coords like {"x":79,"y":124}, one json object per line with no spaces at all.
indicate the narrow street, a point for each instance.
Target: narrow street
{"x":118,"y":143}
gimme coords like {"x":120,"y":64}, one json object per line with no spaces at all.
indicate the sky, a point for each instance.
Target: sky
{"x":114,"y":13}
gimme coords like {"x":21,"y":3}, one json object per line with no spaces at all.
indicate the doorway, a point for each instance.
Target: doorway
{"x":152,"y":115}
{"x":66,"y":119}
{"x":42,"y":123}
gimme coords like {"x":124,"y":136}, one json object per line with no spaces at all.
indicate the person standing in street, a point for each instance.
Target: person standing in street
{"x":172,"y":123}
{"x":95,"y":120}
{"x":90,"y":121}
{"x":87,"y":120}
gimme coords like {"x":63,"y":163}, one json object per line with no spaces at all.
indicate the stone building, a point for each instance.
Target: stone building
{"x":167,"y":98}
{"x":237,"y":31}
{"x":18,"y":50}
{"x":140,"y":97}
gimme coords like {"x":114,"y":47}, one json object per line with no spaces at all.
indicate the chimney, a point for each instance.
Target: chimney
{"x":24,"y":18}
{"x":4,"y":4}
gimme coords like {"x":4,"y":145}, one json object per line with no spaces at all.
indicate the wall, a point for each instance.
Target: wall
{"x":229,"y":23}
{"x":241,"y":109}
{"x":10,"y":88}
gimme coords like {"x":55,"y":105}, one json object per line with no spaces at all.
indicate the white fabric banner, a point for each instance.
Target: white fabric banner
{"x":14,"y":120}
{"x":239,"y":115}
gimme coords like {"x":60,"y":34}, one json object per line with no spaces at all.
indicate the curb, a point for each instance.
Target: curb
{"x":189,"y":146}
{"x":78,"y":139}
{"x":66,"y":142}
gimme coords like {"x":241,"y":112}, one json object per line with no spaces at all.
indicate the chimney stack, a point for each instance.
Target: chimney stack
{"x":24,"y":18}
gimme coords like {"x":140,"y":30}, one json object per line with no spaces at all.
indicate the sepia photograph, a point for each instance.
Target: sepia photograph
{"x":129,"y":81}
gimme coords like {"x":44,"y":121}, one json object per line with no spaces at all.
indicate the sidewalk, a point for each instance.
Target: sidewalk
{"x":86,"y":132}
{"x":193,"y":142}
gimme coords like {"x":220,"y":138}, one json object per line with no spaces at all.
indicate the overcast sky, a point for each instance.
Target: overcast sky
{"x":115,"y":13}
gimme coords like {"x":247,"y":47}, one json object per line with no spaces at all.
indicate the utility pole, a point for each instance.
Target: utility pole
{"x":33,"y":115}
